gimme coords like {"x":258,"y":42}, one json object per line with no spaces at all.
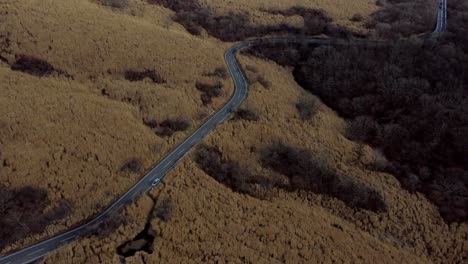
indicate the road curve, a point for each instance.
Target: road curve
{"x":157,"y":173}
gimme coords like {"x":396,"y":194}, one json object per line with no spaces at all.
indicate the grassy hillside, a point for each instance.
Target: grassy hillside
{"x":86,"y":89}
{"x":95,"y":92}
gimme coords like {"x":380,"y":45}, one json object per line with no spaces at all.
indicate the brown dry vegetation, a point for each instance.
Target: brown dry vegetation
{"x":88,"y":135}
{"x":82,"y":135}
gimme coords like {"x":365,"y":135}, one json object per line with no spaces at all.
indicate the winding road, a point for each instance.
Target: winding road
{"x":157,"y":173}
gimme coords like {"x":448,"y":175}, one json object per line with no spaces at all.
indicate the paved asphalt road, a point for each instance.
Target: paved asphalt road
{"x":45,"y":247}
{"x":441,"y":17}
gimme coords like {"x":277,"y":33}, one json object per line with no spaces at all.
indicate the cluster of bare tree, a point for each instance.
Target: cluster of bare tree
{"x":409,"y":100}
{"x":306,"y":172}
{"x":457,"y":24}
{"x":236,"y":26}
{"x":25,"y":211}
{"x":231,"y":174}
{"x":403,"y":18}
{"x":302,"y":170}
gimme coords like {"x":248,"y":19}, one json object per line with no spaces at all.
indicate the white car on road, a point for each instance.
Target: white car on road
{"x":155,"y":182}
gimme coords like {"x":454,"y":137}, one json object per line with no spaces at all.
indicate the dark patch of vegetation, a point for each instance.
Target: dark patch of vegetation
{"x":403,"y":18}
{"x":263,"y":81}
{"x":5,"y":43}
{"x":236,"y":26}
{"x":357,"y":18}
{"x":143,"y":241}
{"x":3,"y":60}
{"x":337,"y":226}
{"x":114,"y":3}
{"x":303,"y":172}
{"x":151,"y":123}
{"x":399,"y":102}
{"x":132,"y":165}
{"x":209,"y":91}
{"x":315,"y":20}
{"x":306,"y":173}
{"x":169,"y":126}
{"x":457,"y":24}
{"x":308,"y":106}
{"x":107,"y":226}
{"x":246,"y":114}
{"x":163,"y":210}
{"x":231,"y":174}
{"x":26,"y":211}
{"x":176,"y":125}
{"x":251,"y":68}
{"x":133,"y":76}
{"x":253,"y":75}
{"x":283,"y":54}
{"x":219,"y":72}
{"x":408,"y":99}
{"x":36,"y":67}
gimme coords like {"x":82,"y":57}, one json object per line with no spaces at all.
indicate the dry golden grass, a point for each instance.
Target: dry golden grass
{"x":62,"y":134}
{"x":86,"y":137}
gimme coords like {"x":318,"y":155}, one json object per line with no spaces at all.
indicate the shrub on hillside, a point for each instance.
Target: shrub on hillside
{"x":151,"y":123}
{"x":169,"y":126}
{"x":132,"y":165}
{"x":357,"y":18}
{"x":246,"y":114}
{"x":36,"y":67}
{"x":209,"y":91}
{"x":253,"y":75}
{"x":133,"y":76}
{"x":264,"y":81}
{"x":308,"y":106}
